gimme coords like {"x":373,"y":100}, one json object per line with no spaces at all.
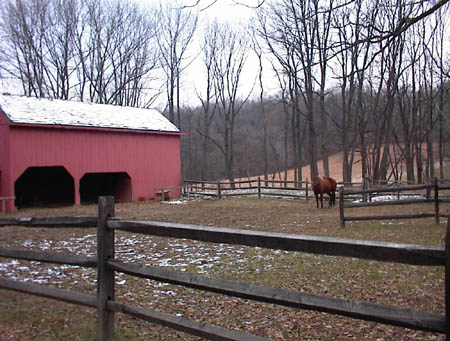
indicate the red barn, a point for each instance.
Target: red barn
{"x":55,"y":151}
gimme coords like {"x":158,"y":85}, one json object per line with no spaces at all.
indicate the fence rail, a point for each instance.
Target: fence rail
{"x":435,"y":187}
{"x":52,"y":222}
{"x":107,"y":265}
{"x":252,"y":187}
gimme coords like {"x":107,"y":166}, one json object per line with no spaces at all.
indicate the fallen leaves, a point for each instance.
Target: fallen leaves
{"x":383,"y":283}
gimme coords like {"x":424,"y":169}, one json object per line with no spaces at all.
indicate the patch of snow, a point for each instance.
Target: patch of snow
{"x":175,"y":202}
{"x":391,"y":197}
{"x":180,"y":255}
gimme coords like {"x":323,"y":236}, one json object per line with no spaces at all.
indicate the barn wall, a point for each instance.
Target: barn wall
{"x":151,"y":160}
{"x":6,"y":187}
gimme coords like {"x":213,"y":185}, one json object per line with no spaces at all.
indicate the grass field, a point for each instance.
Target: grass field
{"x":24,"y":317}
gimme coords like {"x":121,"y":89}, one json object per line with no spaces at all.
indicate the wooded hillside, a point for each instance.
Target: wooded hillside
{"x":251,"y":135}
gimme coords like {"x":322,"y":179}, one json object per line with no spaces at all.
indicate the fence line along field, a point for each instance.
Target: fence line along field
{"x":404,"y":286}
{"x":439,"y":198}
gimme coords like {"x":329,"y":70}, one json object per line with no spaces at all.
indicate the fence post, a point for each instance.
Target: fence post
{"x":105,"y":277}
{"x":259,"y":188}
{"x":307,"y":196}
{"x":428,"y":191}
{"x":219,"y":191}
{"x":341,"y":207}
{"x":436,"y":200}
{"x":447,"y":280}
{"x":365,"y":187}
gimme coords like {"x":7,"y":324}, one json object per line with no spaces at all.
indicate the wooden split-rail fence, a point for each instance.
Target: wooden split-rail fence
{"x":430,"y":195}
{"x":251,"y":187}
{"x":107,"y":265}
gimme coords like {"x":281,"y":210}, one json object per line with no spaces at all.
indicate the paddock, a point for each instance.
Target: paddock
{"x":419,"y":287}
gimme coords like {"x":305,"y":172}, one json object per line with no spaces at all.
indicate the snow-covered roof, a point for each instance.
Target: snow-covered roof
{"x":31,"y":110}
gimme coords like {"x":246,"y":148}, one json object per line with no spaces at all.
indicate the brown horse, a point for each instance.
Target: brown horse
{"x":325,"y":185}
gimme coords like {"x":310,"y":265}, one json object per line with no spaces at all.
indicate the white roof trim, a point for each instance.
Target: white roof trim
{"x":31,"y":110}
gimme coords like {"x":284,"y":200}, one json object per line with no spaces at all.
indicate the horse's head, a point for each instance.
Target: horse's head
{"x":315,"y":178}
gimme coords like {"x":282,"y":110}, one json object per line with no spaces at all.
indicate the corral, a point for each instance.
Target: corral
{"x":414,"y":286}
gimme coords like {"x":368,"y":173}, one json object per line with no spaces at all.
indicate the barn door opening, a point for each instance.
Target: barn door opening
{"x":93,"y":185}
{"x":44,"y":186}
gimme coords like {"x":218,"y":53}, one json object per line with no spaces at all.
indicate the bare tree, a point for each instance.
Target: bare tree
{"x":302,"y":17}
{"x":229,"y":61}
{"x":275,"y":34}
{"x":25,"y":25}
{"x":176,"y":31}
{"x":303,"y":29}
{"x":96,"y":50}
{"x":406,"y":132}
{"x":439,"y":43}
{"x":262,"y":105}
{"x":63,"y":18}
{"x":324,"y":16}
{"x":135,"y":58}
{"x":208,"y":99}
{"x":115,"y":52}
{"x":351,"y":73}
{"x":297,"y":135}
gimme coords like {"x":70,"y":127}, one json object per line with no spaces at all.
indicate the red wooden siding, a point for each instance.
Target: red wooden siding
{"x":152,"y":160}
{"x":6,"y":190}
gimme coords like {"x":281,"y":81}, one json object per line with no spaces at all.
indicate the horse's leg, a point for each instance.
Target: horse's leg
{"x":332,"y":199}
{"x":317,"y":199}
{"x":321,"y":199}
